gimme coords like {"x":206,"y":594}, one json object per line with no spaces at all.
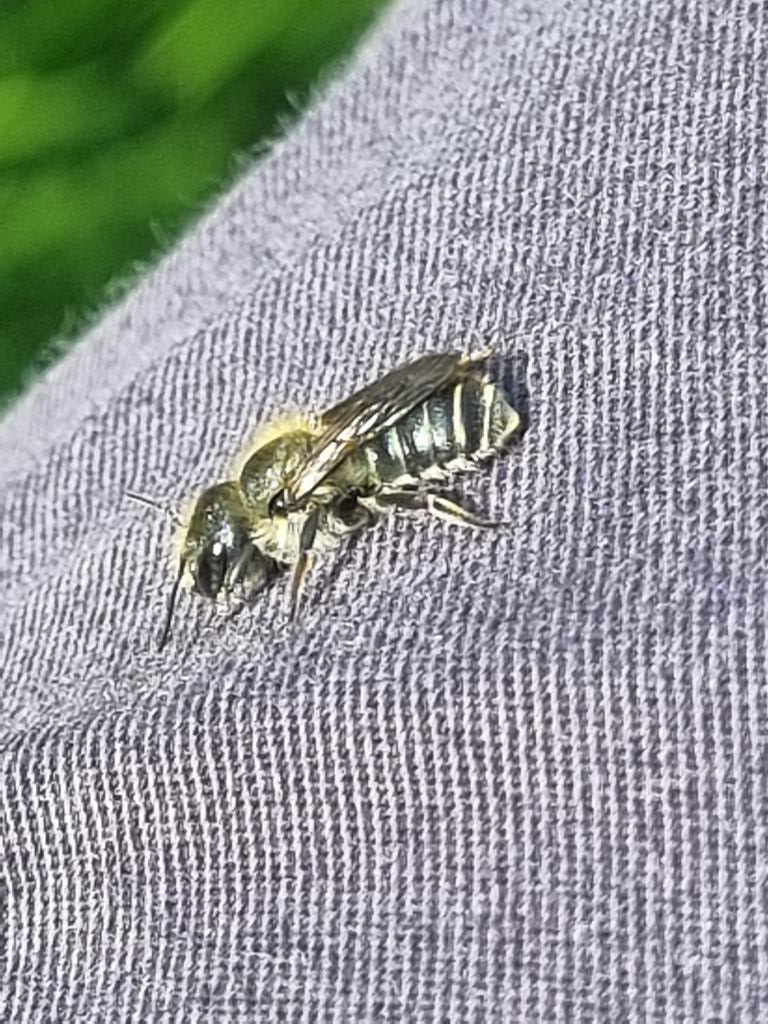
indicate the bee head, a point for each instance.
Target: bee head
{"x":217,"y":550}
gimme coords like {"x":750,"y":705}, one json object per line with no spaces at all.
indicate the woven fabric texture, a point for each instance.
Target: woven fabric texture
{"x":507,"y":777}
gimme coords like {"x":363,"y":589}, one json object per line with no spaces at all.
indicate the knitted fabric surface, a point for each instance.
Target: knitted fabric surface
{"x":506,"y":776}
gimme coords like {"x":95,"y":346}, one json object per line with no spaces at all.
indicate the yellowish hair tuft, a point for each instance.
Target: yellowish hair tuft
{"x":271,"y":430}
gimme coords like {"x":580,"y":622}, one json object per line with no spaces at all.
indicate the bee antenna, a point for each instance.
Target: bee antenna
{"x":171,"y":606}
{"x":159,"y":506}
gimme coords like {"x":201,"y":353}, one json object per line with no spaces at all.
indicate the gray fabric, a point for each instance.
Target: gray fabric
{"x":508,"y":777}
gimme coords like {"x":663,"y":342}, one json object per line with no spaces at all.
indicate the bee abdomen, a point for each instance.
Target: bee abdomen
{"x":456,"y":427}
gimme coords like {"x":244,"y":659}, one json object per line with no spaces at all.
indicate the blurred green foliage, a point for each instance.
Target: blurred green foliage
{"x":118,"y":121}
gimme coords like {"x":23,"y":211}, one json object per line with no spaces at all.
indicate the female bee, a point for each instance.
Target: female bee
{"x":313,"y":481}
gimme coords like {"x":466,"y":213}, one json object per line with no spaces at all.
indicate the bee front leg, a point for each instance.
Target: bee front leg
{"x":304,"y":561}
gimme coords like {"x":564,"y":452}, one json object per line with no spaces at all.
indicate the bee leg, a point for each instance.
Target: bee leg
{"x":300,"y":570}
{"x":397,"y":501}
{"x":303,"y":562}
{"x":437,"y":505}
{"x":455,"y":514}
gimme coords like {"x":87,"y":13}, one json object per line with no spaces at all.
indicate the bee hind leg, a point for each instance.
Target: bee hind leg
{"x":436,"y":505}
{"x":452,"y":513}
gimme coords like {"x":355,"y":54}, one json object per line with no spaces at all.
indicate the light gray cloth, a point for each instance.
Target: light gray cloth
{"x":507,"y":777}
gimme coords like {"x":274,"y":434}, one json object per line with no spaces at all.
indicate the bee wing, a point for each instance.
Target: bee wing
{"x":375,"y":408}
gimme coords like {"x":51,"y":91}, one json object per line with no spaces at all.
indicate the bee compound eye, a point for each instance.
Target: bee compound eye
{"x":211,"y":570}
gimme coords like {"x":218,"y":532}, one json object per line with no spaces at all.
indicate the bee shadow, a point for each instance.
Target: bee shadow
{"x":512,"y":375}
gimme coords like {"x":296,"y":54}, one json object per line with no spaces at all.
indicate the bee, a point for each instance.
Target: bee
{"x":312,"y":481}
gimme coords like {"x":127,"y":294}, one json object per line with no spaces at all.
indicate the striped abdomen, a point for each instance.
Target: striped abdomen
{"x":453,"y":429}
